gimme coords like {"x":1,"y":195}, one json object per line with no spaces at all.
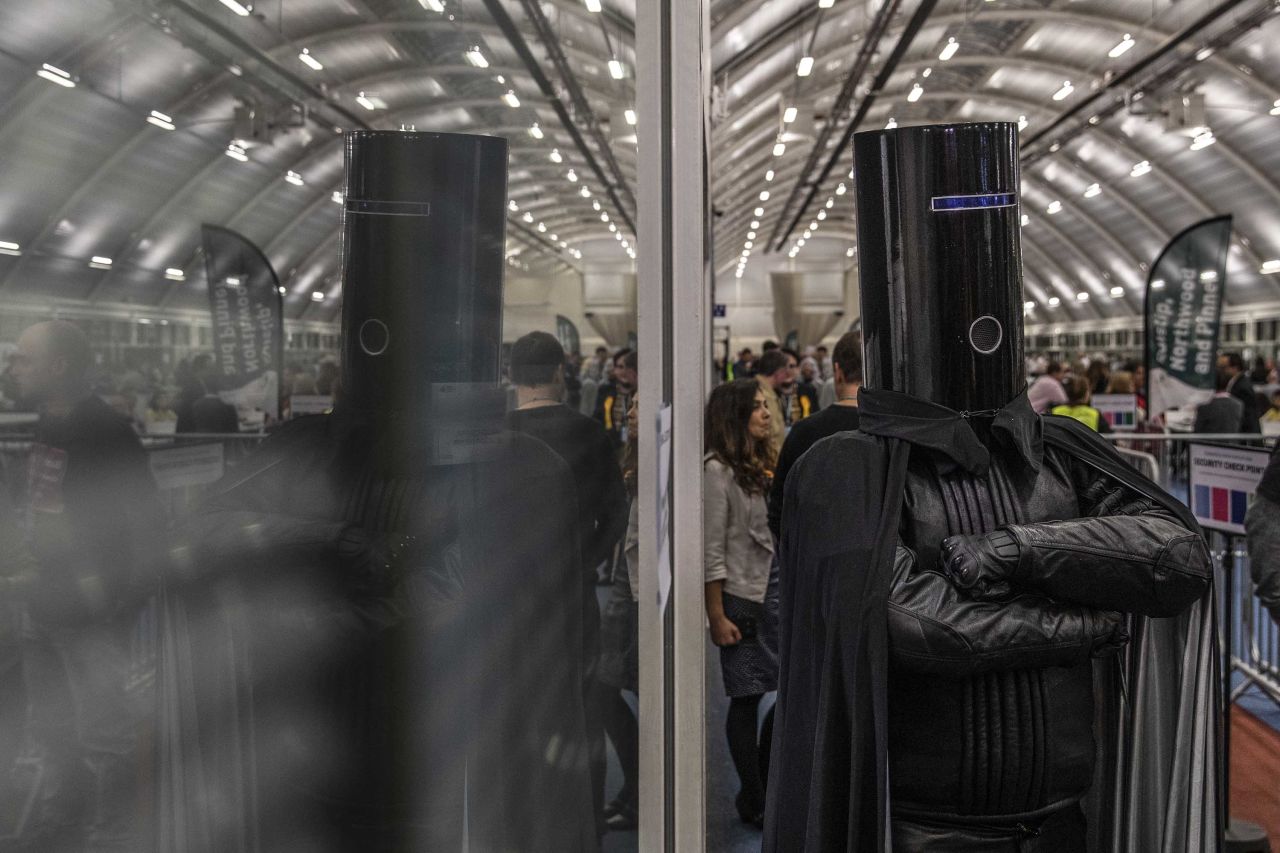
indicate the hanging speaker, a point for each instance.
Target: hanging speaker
{"x":986,"y":334}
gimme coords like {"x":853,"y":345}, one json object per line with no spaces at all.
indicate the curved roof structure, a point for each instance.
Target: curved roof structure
{"x":128,"y":123}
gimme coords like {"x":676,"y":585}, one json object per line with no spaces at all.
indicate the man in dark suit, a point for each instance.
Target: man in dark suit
{"x":1223,"y":413}
{"x":1241,"y":388}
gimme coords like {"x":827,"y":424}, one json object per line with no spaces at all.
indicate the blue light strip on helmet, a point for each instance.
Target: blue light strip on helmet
{"x":972,"y":202}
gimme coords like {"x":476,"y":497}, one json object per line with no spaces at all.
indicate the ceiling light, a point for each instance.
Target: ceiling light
{"x":1055,"y":206}
{"x":512,"y":206}
{"x":595,"y":205}
{"x":174,"y":274}
{"x":233,"y":281}
{"x":604,"y":216}
{"x":281,"y":290}
{"x":510,"y":99}
{"x":476,"y":58}
{"x":160,"y":120}
{"x":310,"y":61}
{"x":1028,"y":306}
{"x":822,"y":214}
{"x":1022,"y":122}
{"x":805,"y":66}
{"x":592,"y":5}
{"x":100,"y":262}
{"x":1092,"y":191}
{"x":1157,"y":284}
{"x":789,"y":115}
{"x":779,"y":149}
{"x":238,"y":8}
{"x":755,"y":223}
{"x":317,"y":296}
{"x":768,"y":176}
{"x":585,"y":192}
{"x":751,"y":235}
{"x":555,"y":156}
{"x":10,"y":248}
{"x":1141,"y":168}
{"x":336,"y":198}
{"x":1275,"y":107}
{"x":630,"y":116}
{"x":535,"y":131}
{"x":1066,"y":90}
{"x":364,"y":101}
{"x":1054,"y":302}
{"x":235,"y":152}
{"x":1082,"y":297}
{"x":949,"y":50}
{"x":542,"y":228}
{"x":831,"y":202}
{"x":615,"y":69}
{"x":1270,"y":267}
{"x":1117,"y":292}
{"x":748,"y":244}
{"x":764,"y":195}
{"x":826,"y":4}
{"x":293,"y":178}
{"x":891,"y":124}
{"x":1204,"y":140}
{"x":850,"y":252}
{"x":1122,"y":47}
{"x":841,"y":190}
{"x":56,"y":75}
{"x":925,"y":73}
{"x":572,"y":176}
{"x":1203,"y":53}
{"x":914,"y":95}
{"x":759,"y":211}
{"x":1025,"y":220}
{"x":792,"y":253}
{"x":528,"y":217}
{"x":432,"y":5}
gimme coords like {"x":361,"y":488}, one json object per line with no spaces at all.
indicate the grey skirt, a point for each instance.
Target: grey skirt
{"x":751,"y":667}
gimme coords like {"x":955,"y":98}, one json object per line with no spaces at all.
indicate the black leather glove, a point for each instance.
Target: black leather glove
{"x":982,"y":565}
{"x":372,"y":562}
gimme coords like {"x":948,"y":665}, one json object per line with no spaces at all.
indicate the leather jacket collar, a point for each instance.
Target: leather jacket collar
{"x":948,"y":432}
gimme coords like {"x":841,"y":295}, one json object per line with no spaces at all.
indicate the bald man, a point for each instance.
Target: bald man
{"x":92,"y":522}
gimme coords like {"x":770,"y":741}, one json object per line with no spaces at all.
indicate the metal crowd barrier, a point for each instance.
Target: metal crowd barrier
{"x":1252,"y":636}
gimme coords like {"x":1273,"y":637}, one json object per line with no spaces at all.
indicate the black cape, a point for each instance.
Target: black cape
{"x":290,"y":702}
{"x":1156,"y":785}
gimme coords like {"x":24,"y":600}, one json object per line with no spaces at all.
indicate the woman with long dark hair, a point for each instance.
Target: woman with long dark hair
{"x":738,"y":554}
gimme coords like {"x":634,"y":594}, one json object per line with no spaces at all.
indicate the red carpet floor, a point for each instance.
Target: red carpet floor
{"x":1255,"y":773}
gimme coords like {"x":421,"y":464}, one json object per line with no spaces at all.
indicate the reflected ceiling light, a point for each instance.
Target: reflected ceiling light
{"x":1270,"y":267}
{"x":337,"y":197}
{"x":764,"y":195}
{"x":1092,"y":191}
{"x":160,"y":120}
{"x":476,"y":58}
{"x":1025,"y":219}
{"x":842,"y":189}
{"x":100,"y":262}
{"x":1203,"y":53}
{"x":174,"y":274}
{"x":805,"y":67}
{"x":1117,"y":292}
{"x":54,"y":74}
{"x":1204,"y":140}
{"x":1209,"y":275}
{"x":1023,"y":122}
{"x":630,"y":116}
{"x":1055,"y":206}
{"x":789,"y":115}
{"x":1122,"y":47}
{"x":310,"y":61}
{"x":8,"y":247}
{"x":510,"y":99}
{"x":1082,"y":297}
{"x":1157,"y":284}
{"x":293,"y":178}
{"x":949,"y":50}
{"x":535,"y":131}
{"x":1066,"y":90}
{"x":914,"y":95}
{"x":592,"y":5}
{"x":1054,"y":302}
{"x":432,"y":5}
{"x":1140,"y":168}
{"x":555,"y":156}
{"x":759,"y":211}
{"x":236,"y":7}
{"x":779,"y":148}
{"x":317,"y":296}
{"x":891,"y":124}
{"x":235,"y":152}
{"x":615,"y":69}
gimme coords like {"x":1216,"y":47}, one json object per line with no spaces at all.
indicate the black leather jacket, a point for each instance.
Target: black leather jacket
{"x":992,"y":705}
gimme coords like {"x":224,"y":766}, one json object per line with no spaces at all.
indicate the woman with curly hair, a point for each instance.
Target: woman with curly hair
{"x":738,"y":554}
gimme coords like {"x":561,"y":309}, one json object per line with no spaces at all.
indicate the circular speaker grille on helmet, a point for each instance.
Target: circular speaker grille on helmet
{"x":374,"y":336}
{"x":985,"y":334}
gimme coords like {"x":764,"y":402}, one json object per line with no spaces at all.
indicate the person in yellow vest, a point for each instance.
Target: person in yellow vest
{"x":1078,"y":396}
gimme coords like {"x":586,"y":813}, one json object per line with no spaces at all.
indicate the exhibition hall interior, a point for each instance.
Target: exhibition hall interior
{"x":597,"y":426}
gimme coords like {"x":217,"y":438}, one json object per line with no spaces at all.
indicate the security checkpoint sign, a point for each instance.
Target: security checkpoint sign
{"x":1223,"y":482}
{"x":186,"y":465}
{"x":1120,"y":411}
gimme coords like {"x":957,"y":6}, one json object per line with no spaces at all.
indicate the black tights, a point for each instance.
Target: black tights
{"x":750,"y":755}
{"x":623,"y":729}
